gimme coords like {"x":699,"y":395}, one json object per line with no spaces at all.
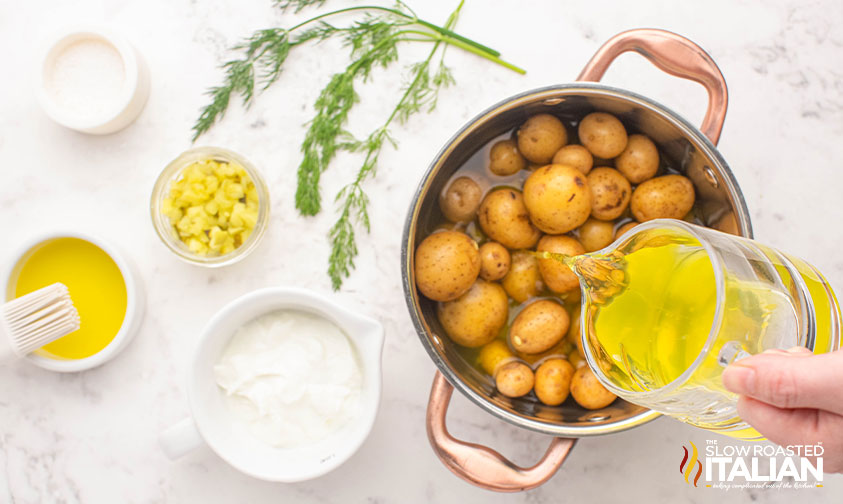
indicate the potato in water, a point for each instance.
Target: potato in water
{"x":494,"y":261}
{"x":523,"y":280}
{"x":558,"y":276}
{"x":640,"y":160}
{"x":539,"y":326}
{"x":557,"y":198}
{"x":540,"y":137}
{"x":665,"y":197}
{"x":553,"y":381}
{"x":446,"y":265}
{"x":514,"y":379}
{"x":596,"y":234}
{"x":504,"y":218}
{"x":460,"y":201}
{"x":610,"y":193}
{"x":603,"y":135}
{"x":476,"y":317}
{"x":505,"y":160}
{"x":575,"y":156}
{"x":492,"y":355}
{"x":588,"y":391}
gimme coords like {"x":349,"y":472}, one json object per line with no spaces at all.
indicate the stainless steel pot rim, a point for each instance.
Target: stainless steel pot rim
{"x":582,"y":88}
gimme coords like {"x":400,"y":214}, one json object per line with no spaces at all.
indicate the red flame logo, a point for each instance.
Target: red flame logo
{"x":686,"y":467}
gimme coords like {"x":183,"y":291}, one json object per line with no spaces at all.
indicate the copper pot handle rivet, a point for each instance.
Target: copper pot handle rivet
{"x":675,"y":55}
{"x":480,"y":465}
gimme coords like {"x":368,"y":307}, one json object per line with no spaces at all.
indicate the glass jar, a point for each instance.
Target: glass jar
{"x":167,"y":231}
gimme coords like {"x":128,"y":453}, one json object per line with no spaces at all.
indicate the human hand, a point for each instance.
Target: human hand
{"x":793,"y":397}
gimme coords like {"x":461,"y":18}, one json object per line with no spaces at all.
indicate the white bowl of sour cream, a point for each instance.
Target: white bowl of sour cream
{"x":284,"y":385}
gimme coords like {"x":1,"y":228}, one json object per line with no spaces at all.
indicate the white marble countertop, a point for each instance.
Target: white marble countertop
{"x":91,"y":437}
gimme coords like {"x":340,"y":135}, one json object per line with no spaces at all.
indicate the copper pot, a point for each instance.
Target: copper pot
{"x":691,"y":149}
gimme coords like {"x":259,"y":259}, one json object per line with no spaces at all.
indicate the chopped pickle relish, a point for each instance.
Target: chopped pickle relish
{"x":213,"y":206}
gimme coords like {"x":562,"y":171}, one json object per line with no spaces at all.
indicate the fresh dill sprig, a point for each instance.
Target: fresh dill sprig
{"x":297,"y":5}
{"x":373,"y":42}
{"x":264,"y":54}
{"x":420,"y":92}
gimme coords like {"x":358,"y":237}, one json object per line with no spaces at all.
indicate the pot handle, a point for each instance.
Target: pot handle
{"x":480,"y":465}
{"x":675,"y":55}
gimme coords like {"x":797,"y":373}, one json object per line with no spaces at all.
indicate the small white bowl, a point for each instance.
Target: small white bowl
{"x":212,"y":422}
{"x":133,"y":95}
{"x":135,"y":303}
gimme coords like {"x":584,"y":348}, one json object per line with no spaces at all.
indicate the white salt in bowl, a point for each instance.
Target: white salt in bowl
{"x":92,"y":80}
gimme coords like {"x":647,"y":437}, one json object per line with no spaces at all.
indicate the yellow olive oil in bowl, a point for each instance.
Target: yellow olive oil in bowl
{"x":96,"y":285}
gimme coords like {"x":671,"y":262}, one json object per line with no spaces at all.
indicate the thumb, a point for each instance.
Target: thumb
{"x":790,"y":379}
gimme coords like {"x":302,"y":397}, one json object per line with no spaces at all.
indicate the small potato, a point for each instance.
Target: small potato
{"x":594,"y":235}
{"x":553,"y":381}
{"x":564,"y":347}
{"x":623,"y":229}
{"x":602,"y":134}
{"x":539,"y":326}
{"x":588,"y":392}
{"x":557,"y":276}
{"x":523,"y":279}
{"x":494,"y":261}
{"x":576,"y":360}
{"x":640,"y":160}
{"x":665,"y":197}
{"x":557,"y":198}
{"x":505,"y":160}
{"x":476,"y":317}
{"x":504,"y":219}
{"x":576,"y":156}
{"x":540,"y":137}
{"x":492,"y":354}
{"x":514,"y":379}
{"x":610,"y":193}
{"x":446,"y":265}
{"x":460,"y":201}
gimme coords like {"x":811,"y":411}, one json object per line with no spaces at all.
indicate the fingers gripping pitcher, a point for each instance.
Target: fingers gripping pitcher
{"x":670,"y":304}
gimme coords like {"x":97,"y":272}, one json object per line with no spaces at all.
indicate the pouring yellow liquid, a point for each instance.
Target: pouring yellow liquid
{"x":96,"y":287}
{"x":659,"y":328}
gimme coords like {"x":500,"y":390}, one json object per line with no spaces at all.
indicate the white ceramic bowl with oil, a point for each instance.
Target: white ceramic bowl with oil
{"x":135,"y":302}
{"x":213,"y":424}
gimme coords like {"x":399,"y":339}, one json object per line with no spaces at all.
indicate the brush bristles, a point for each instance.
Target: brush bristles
{"x":40,"y":317}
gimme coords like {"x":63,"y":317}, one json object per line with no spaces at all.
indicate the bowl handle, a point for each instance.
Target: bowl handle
{"x":480,"y":465}
{"x":675,"y":55}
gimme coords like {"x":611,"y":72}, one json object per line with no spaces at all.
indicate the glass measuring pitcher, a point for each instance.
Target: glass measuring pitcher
{"x":670,"y":304}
